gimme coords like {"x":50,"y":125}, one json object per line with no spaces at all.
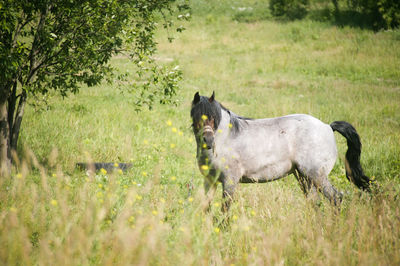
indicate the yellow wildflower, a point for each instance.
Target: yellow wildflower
{"x":13,"y":209}
{"x":145,"y":142}
{"x":162,"y":200}
{"x":120,"y":171}
{"x":190,"y":199}
{"x":173,"y":178}
{"x":169,"y":122}
{"x":216,"y":204}
{"x":103,"y":171}
{"x":138,"y":197}
{"x":174,"y":129}
{"x":204,"y":117}
{"x":180,"y":133}
{"x":172,"y":145}
{"x":154,"y":212}
{"x":54,"y":175}
{"x":204,"y":167}
{"x":131,"y":219}
{"x":116,"y":164}
{"x":219,"y":130}
{"x":216,"y":230}
{"x":53,"y":202}
{"x":253,"y":213}
{"x":144,"y":173}
{"x":100,"y":185}
{"x":19,"y":175}
{"x":234,"y":217}
{"x":230,"y":125}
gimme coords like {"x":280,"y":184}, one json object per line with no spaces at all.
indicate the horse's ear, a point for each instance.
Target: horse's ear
{"x":196,"y":98}
{"x":212,"y":98}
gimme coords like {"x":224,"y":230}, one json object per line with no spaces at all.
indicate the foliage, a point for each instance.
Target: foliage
{"x":383,"y":13}
{"x":58,"y":45}
{"x":289,"y":9}
{"x":62,"y":44}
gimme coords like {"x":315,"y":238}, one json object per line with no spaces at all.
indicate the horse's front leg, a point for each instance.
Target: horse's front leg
{"x":209,"y":189}
{"x":228,"y":190}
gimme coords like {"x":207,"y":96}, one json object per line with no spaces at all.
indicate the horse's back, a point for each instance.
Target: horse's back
{"x":313,"y":143}
{"x":272,"y":147}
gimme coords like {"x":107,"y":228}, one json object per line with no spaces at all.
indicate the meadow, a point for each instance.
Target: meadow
{"x":52,"y":213}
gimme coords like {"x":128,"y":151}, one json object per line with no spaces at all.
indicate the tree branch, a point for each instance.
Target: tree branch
{"x":35,"y":46}
{"x":18,"y":29}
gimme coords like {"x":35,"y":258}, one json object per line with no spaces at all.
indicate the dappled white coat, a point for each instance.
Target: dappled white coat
{"x":271,"y":148}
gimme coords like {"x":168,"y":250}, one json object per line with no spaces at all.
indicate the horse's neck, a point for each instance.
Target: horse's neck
{"x":225,"y":120}
{"x":222,"y":134}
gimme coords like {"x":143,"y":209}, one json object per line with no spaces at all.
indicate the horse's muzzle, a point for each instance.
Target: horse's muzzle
{"x":209,"y":141}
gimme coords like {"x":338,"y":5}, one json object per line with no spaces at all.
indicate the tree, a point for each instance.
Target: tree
{"x":56,"y":45}
{"x":289,"y":9}
{"x":381,"y":13}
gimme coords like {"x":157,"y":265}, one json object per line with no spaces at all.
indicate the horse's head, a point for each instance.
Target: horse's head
{"x":206,"y":116}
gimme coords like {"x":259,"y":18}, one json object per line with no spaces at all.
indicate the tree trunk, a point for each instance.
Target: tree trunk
{"x":14,"y":135}
{"x":10,"y":124}
{"x":5,"y":154}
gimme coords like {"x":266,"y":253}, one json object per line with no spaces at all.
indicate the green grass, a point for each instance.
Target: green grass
{"x":52,"y":213}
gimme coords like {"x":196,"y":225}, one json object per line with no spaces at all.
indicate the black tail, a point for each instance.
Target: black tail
{"x":354,"y":171}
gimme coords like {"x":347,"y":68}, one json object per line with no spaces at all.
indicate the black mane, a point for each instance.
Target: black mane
{"x":236,"y":120}
{"x":213,"y":110}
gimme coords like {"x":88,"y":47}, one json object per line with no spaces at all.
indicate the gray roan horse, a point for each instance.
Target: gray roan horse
{"x":233,"y":149}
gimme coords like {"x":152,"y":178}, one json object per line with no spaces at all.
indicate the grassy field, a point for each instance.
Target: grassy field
{"x":51,"y":213}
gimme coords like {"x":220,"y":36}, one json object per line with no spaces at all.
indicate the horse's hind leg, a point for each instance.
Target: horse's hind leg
{"x":329,"y":191}
{"x":308,"y":188}
{"x":320,"y":181}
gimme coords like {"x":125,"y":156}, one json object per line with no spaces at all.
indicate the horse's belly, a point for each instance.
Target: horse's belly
{"x":269,"y":172}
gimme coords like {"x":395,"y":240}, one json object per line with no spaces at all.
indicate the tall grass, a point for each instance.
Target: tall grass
{"x":51,"y":213}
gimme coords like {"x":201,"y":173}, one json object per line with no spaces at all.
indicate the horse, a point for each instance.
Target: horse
{"x":233,"y":149}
